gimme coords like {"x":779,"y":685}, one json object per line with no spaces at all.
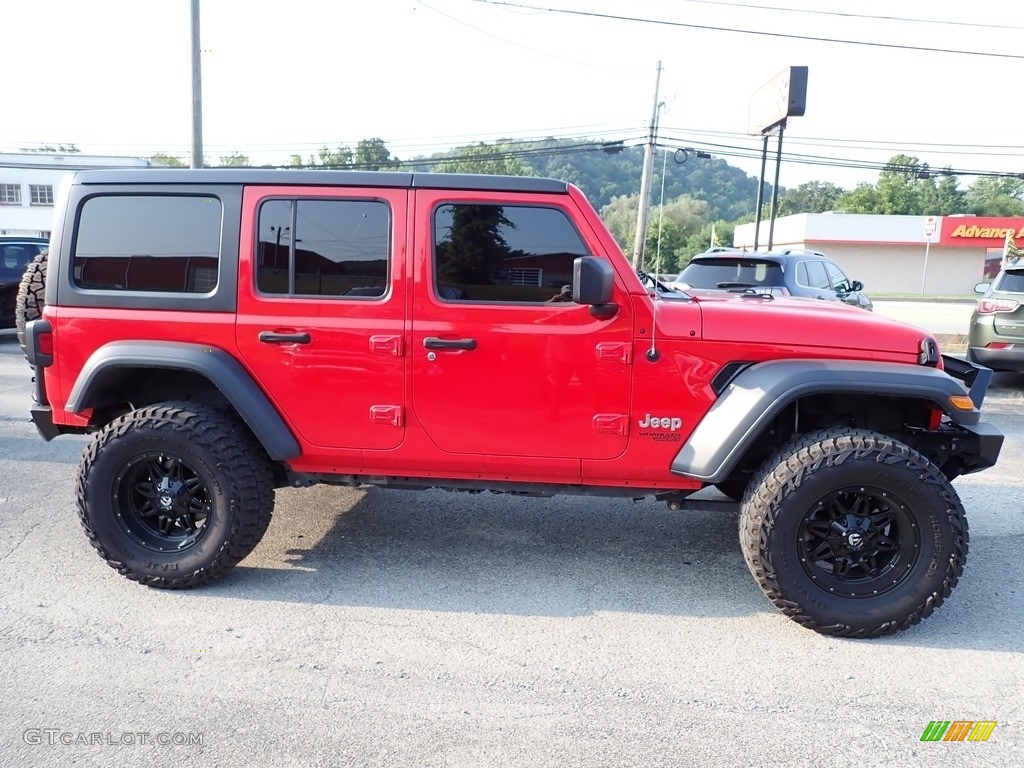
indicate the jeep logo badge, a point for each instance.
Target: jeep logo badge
{"x":671,"y":423}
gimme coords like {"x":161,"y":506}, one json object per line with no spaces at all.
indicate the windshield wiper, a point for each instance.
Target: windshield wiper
{"x":727,"y":284}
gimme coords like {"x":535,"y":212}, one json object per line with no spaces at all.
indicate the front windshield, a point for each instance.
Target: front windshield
{"x":660,"y":289}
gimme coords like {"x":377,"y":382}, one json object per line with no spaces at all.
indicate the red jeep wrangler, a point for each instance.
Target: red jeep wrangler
{"x":224,"y":333}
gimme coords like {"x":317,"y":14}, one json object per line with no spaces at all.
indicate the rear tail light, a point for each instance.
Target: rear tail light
{"x":999,"y":345}
{"x":39,"y":343}
{"x":988,"y":306}
{"x":44,"y":344}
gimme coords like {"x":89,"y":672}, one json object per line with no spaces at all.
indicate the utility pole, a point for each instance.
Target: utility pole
{"x":645,"y":178}
{"x":197,"y":92}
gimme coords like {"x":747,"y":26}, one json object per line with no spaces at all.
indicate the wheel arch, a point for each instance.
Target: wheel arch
{"x":758,"y":396}
{"x":123,"y":370}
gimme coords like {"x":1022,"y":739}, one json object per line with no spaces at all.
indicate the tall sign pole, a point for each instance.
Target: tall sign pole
{"x":929,"y":230}
{"x":645,"y":179}
{"x":197,"y":92}
{"x":775,"y":188}
{"x":782,"y":97}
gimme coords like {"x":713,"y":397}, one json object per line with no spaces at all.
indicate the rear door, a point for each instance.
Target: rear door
{"x":321,"y":310}
{"x":813,"y":281}
{"x":502,"y":364}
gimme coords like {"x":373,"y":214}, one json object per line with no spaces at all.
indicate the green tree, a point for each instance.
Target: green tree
{"x":373,"y":155}
{"x":701,"y":241}
{"x":619,"y":216}
{"x":324,"y":158}
{"x":675,"y":222}
{"x":943,"y":198}
{"x":235,"y":160}
{"x":474,"y":244}
{"x":811,"y":197}
{"x":996,"y":196}
{"x":863,"y":198}
{"x":899,"y":186}
{"x":480,"y":158}
{"x":67,"y":149}
{"x":171,"y":161}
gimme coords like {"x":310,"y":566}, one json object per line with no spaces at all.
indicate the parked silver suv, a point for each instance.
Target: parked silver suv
{"x":791,"y":272}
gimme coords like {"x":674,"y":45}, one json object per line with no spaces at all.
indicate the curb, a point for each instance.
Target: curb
{"x":951,"y":342}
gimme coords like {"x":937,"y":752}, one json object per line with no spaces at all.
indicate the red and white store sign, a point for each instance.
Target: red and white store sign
{"x":980,"y":231}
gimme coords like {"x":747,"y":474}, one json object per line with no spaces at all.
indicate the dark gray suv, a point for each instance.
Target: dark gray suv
{"x":15,"y":255}
{"x":810,"y":274}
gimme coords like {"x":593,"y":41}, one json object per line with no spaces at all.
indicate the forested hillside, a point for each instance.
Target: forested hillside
{"x":704,"y":197}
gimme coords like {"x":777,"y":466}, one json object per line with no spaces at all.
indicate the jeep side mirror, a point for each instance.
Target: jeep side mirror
{"x":856,"y":285}
{"x":593,"y":283}
{"x":982,"y":287}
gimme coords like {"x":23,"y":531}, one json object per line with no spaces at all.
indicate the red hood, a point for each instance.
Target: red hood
{"x":788,"y":322}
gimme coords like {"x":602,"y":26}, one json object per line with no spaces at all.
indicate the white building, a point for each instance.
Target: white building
{"x":29,"y":182}
{"x":892,"y":254}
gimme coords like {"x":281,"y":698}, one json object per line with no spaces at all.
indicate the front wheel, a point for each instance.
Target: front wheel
{"x":174,"y":495}
{"x":853,"y":534}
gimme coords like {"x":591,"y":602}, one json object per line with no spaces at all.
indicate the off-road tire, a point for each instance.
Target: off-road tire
{"x":797,"y":543}
{"x":29,"y":303}
{"x":210,"y":463}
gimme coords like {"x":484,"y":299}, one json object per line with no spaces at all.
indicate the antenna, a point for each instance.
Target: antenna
{"x":652,"y":353}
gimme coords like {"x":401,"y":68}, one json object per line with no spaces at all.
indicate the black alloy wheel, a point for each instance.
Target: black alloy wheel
{"x":858,"y":542}
{"x":162,"y":501}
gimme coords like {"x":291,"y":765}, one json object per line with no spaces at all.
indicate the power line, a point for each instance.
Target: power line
{"x":520,"y":45}
{"x":847,"y":15}
{"x":758,"y":32}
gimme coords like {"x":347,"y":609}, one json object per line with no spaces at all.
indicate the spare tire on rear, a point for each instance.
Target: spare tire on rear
{"x":28,"y":306}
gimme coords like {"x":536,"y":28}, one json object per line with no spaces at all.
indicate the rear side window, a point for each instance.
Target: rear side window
{"x":504,"y":253}
{"x":1011,"y":281}
{"x":731,"y":273}
{"x":323,"y":248}
{"x":812,"y":275}
{"x":152,"y":243}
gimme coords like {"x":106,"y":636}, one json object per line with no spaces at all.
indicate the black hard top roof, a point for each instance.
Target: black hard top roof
{"x":303,"y":177}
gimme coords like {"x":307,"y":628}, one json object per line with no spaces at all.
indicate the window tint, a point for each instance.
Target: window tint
{"x":837,"y":278}
{"x":731,"y":273}
{"x":148,"y":243}
{"x":14,"y":257}
{"x":503,"y":253}
{"x":814,"y":274}
{"x":1011,"y":281}
{"x":323,"y":248}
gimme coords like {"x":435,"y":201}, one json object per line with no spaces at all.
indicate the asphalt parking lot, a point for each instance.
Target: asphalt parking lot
{"x":377,"y":627}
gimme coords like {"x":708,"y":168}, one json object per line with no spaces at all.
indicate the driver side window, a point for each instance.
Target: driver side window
{"x":840,"y":283}
{"x":504,"y":253}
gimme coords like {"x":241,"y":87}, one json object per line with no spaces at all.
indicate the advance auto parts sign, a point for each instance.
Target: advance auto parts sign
{"x":979,"y":231}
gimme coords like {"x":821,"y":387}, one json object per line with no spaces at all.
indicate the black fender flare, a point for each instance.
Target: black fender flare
{"x":214,"y":364}
{"x":758,"y":393}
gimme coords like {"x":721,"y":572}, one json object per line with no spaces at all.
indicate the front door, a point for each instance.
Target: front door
{"x":503,"y":362}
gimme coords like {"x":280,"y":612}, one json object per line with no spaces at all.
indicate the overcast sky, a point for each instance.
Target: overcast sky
{"x":113,"y":77}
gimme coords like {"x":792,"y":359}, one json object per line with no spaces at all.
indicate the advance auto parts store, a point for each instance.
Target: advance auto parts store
{"x":887,"y":253}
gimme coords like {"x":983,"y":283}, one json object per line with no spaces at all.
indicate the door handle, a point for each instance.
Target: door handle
{"x":432,"y":342}
{"x":273,"y":337}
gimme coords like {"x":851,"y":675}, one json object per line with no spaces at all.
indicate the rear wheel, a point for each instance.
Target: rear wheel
{"x":29,"y":303}
{"x":852,"y":533}
{"x":174,"y":495}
